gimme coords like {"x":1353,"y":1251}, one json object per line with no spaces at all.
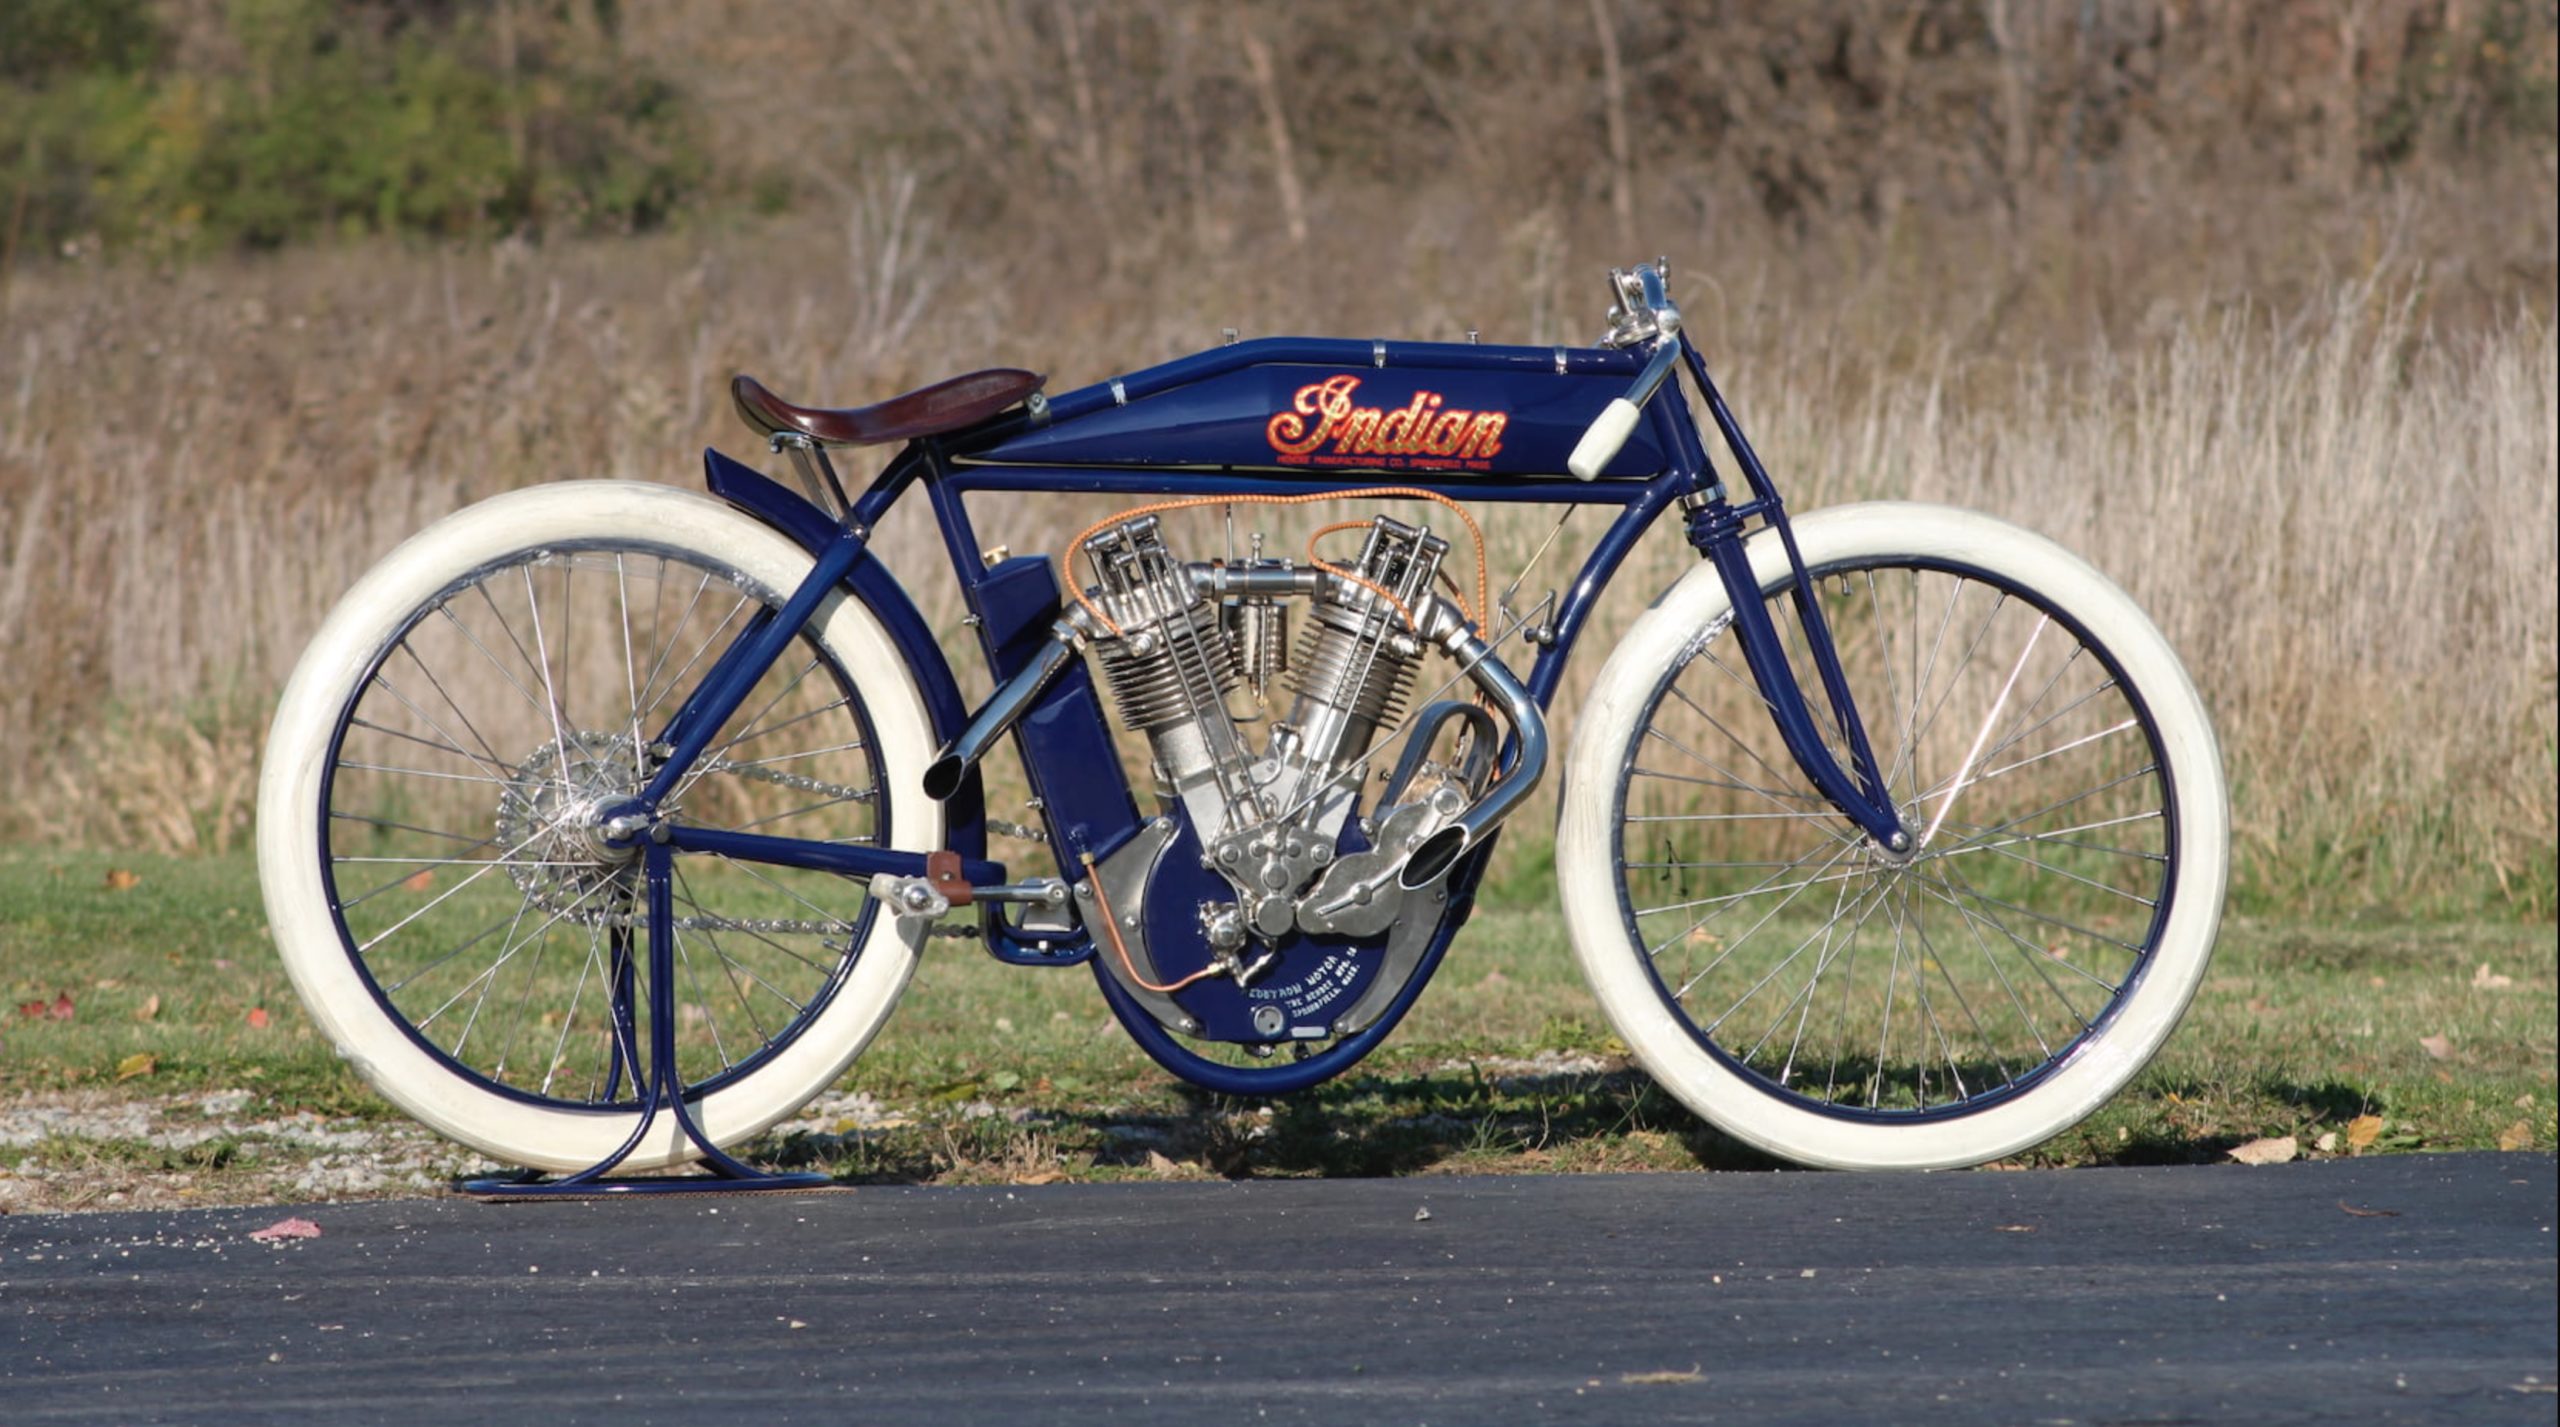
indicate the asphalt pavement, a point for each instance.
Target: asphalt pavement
{"x":2385,"y":1290}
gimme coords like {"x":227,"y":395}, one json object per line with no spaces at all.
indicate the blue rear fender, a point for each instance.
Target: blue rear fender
{"x":813,"y":529}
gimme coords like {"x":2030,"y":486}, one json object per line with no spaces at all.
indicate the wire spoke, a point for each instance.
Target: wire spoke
{"x":420,"y":864}
{"x":462,"y":837}
{"x":2039,"y":959}
{"x":1739,"y":942}
{"x":438,"y":744}
{"x":1822,"y":932}
{"x":1970,"y":895}
{"x":666,"y":645}
{"x":1763,"y":885}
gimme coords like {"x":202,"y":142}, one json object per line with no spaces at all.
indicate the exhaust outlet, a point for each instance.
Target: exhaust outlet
{"x":1438,"y":852}
{"x":1004,"y":708}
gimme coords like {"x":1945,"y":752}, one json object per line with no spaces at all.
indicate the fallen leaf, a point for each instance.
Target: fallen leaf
{"x":1422,"y":1214}
{"x":2269,"y":1151}
{"x":122,"y":879}
{"x":2368,"y":1213}
{"x":419,"y":881}
{"x":2017,"y":1228}
{"x":2518,"y":1136}
{"x":2258,"y":1006}
{"x":141,"y":1062}
{"x":61,"y":1009}
{"x":149,"y":1009}
{"x":32,"y":1010}
{"x":110,"y":984}
{"x":1158,"y":1163}
{"x":257,"y":1018}
{"x":1045,"y":1176}
{"x":286,"y":1229}
{"x":1661,"y":1379}
{"x":2363,"y":1130}
{"x":2436,"y":1046}
{"x":2327,"y":1143}
{"x":2486,"y":980}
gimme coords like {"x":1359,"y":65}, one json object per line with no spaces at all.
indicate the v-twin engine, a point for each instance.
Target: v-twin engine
{"x":1176,"y":640}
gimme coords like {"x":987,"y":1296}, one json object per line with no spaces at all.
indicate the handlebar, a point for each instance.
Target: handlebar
{"x":1617,"y":421}
{"x":1644,"y":313}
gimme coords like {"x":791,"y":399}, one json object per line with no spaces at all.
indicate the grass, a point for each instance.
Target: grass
{"x":2351,"y":1036}
{"x":2340,"y":514}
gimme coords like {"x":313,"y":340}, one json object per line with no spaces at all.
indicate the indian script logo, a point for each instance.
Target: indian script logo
{"x":1324,"y":427}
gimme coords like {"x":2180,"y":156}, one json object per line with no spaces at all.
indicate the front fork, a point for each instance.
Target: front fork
{"x":1717,"y":528}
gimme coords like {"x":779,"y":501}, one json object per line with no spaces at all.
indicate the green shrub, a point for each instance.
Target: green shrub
{"x":332,"y":117}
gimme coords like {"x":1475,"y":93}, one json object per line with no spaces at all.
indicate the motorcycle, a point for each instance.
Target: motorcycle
{"x":602,"y":824}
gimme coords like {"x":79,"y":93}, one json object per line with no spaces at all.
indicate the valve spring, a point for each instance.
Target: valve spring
{"x":1259,"y":629}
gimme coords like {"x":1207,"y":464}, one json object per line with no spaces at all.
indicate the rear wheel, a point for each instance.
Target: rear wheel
{"x":435,"y":874}
{"x":1838,"y":1004}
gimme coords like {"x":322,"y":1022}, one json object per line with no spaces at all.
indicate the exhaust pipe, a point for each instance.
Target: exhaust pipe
{"x":1004,"y":708}
{"x":1444,"y":847}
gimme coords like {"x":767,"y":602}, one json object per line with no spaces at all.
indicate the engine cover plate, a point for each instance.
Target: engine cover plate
{"x":1312,"y":981}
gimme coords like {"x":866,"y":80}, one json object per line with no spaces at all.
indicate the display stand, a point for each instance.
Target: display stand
{"x":660,"y":1087}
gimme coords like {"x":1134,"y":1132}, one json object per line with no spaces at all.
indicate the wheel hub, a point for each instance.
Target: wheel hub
{"x":551,"y":826}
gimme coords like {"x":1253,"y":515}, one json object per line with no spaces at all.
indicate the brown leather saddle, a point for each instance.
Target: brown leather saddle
{"x":926,"y":411}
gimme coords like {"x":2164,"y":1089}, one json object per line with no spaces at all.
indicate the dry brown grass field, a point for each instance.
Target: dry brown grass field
{"x":2145,"y":287}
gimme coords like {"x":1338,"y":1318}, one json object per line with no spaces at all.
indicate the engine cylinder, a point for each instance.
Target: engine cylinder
{"x":1172,"y":662}
{"x":1168,"y":673}
{"x":1347,"y":670}
{"x":1355,"y":663}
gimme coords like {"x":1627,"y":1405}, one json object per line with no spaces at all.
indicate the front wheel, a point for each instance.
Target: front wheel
{"x":1835,"y":1003}
{"x":429,"y":823}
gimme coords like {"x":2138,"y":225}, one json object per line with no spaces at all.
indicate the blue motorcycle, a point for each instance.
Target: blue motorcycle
{"x":605,"y":822}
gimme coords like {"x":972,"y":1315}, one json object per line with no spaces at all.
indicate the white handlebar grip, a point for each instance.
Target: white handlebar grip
{"x":1600,"y":444}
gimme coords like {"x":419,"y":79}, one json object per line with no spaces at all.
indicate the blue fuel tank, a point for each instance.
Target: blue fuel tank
{"x":1319,"y":404}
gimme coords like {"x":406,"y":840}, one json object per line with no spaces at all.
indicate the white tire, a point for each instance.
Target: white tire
{"x":2007,"y":1038}
{"x":787,"y":1022}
